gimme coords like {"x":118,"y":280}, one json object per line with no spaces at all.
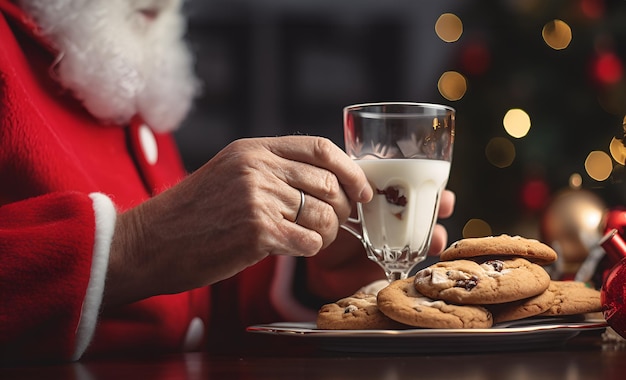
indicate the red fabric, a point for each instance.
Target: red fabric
{"x":52,"y":155}
{"x":40,"y":245}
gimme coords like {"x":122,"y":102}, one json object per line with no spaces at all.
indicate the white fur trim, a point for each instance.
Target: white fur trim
{"x":281,"y":295}
{"x":105,"y":215}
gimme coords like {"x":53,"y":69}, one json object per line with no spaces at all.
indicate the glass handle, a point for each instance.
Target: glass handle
{"x":353,"y":225}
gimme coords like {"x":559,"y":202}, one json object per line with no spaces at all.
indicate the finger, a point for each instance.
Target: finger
{"x":321,"y":152}
{"x":278,"y":198}
{"x":276,"y":207}
{"x":307,"y":219}
{"x":292,"y":240}
{"x":320,"y":184}
{"x":446,"y":204}
{"x":439,"y":240}
{"x":319,"y":217}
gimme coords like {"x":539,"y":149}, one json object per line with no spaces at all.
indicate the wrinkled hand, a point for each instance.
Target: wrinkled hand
{"x":343,"y":268}
{"x":233,"y":212}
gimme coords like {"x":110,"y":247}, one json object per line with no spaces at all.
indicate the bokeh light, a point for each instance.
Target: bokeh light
{"x":500,"y":152}
{"x":476,"y":228}
{"x":516,"y":123}
{"x":575,"y":181}
{"x":592,"y":9}
{"x":618,"y":151}
{"x":475,"y":58}
{"x":598,"y":165}
{"x":449,"y":27}
{"x":557,"y":34}
{"x":535,"y":194}
{"x":452,"y":85}
{"x":608,"y":68}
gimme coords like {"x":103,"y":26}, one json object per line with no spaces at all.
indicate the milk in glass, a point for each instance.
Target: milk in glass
{"x":405,"y":203}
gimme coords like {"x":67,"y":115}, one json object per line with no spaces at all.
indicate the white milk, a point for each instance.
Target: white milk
{"x":419,"y":183}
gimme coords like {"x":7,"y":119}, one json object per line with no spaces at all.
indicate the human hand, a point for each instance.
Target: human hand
{"x":344,"y":267}
{"x":233,"y":212}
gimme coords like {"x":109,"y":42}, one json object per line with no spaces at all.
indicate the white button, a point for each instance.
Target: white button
{"x":194,"y":335}
{"x":148,"y":144}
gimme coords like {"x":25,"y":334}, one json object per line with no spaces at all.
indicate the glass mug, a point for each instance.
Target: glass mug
{"x":405,"y":150}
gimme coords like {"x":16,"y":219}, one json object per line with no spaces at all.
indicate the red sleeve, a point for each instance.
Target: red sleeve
{"x":46,"y":251}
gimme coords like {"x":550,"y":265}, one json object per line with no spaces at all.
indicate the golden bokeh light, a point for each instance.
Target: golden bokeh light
{"x":452,"y":85}
{"x":449,"y":27}
{"x":598,"y":165}
{"x":575,"y":181}
{"x":476,"y":228}
{"x":618,"y":151}
{"x":500,"y":152}
{"x":516,"y":123}
{"x":557,"y":34}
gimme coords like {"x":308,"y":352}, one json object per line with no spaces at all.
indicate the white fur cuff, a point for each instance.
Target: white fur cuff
{"x":105,"y":215}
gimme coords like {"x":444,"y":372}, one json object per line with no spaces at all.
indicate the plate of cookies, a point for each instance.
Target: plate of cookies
{"x":484,"y":294}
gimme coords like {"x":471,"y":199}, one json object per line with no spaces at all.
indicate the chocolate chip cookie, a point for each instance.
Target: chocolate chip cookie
{"x":574,"y":297}
{"x":402,"y":302}
{"x":482,"y":281}
{"x":525,"y":308}
{"x":503,"y":245}
{"x":357,"y":312}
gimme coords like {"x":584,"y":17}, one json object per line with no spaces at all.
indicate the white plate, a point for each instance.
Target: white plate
{"x":519,"y":335}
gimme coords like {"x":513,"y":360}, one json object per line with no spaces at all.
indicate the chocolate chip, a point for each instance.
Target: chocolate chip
{"x":496,"y":264}
{"x":468,"y":284}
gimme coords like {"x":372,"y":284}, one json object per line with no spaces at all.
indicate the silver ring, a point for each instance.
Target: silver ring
{"x":300,"y":208}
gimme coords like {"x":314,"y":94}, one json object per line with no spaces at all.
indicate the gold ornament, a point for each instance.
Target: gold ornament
{"x":572,"y":225}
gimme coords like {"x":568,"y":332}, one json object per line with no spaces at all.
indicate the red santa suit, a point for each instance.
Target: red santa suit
{"x":63,"y":175}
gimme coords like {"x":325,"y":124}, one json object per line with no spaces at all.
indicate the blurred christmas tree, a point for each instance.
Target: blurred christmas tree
{"x":517,"y":55}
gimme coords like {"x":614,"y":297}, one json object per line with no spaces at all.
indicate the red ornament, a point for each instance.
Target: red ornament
{"x":613,"y":298}
{"x":613,"y":292}
{"x":616,"y":219}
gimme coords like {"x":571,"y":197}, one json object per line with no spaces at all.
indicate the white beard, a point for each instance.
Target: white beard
{"x":121,"y":58}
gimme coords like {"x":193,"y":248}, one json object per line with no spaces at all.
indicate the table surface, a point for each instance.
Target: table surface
{"x":587,"y":356}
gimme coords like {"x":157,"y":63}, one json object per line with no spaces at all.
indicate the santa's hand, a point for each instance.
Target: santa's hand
{"x":237,"y":209}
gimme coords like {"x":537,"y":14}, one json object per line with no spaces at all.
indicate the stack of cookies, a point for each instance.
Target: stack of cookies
{"x":477,"y":283}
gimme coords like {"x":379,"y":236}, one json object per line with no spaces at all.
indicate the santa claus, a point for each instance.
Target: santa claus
{"x":67,"y":166}
{"x":106,"y":245}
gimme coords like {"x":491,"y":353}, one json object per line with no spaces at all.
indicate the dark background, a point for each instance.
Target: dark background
{"x":278,"y":67}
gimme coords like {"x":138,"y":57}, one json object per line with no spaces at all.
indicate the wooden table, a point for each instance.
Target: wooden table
{"x":583,"y":357}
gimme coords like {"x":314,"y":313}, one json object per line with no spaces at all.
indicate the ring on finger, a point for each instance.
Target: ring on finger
{"x":300,"y":208}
